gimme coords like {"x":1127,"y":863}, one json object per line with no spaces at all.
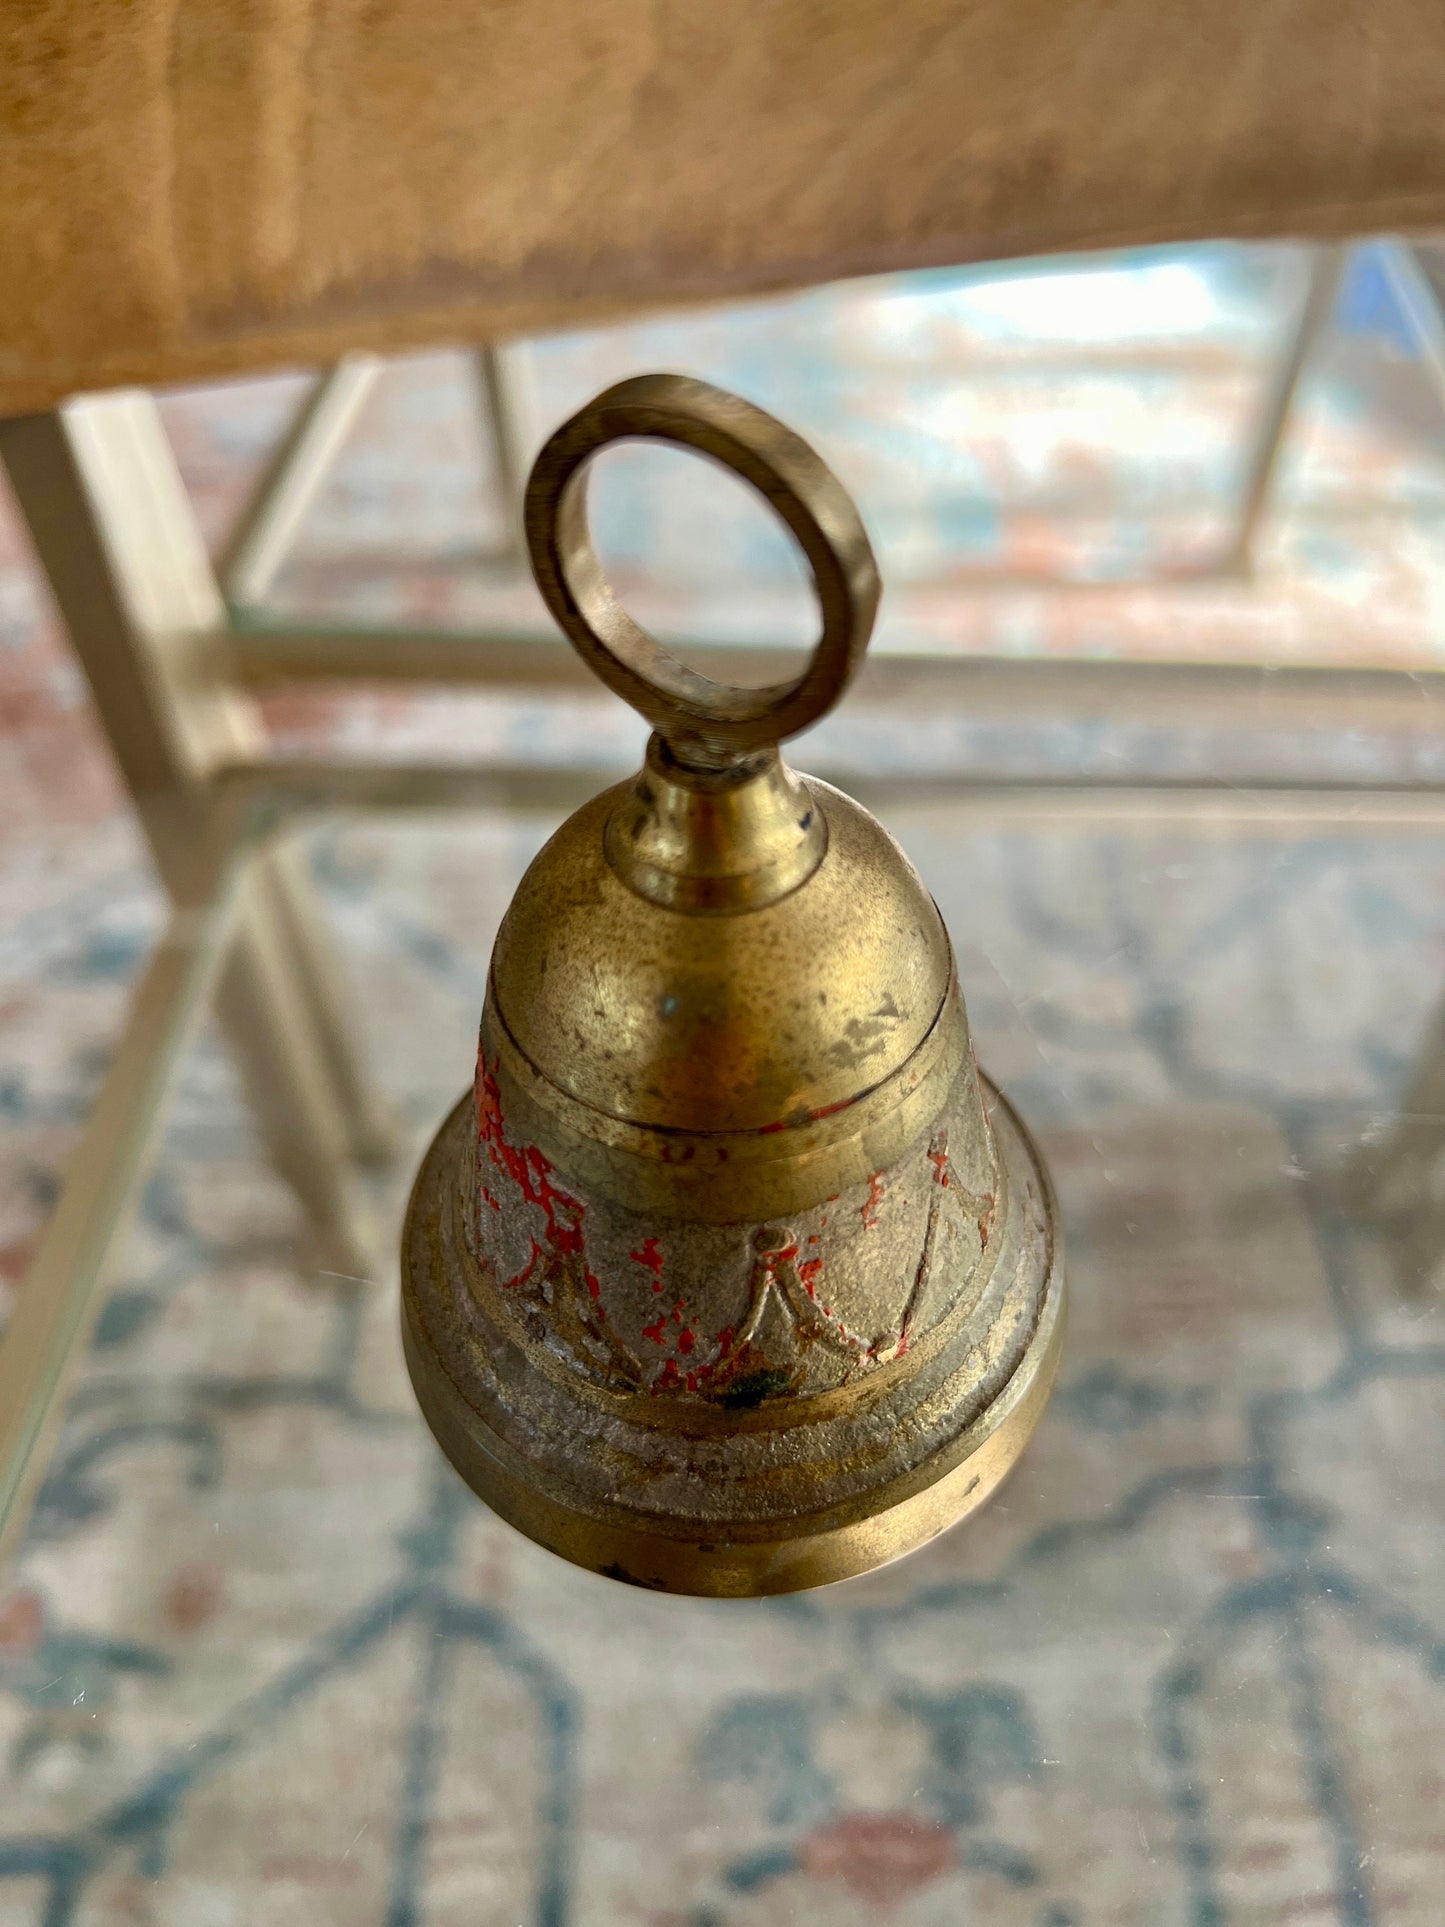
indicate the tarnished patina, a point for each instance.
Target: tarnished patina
{"x":733,"y":1275}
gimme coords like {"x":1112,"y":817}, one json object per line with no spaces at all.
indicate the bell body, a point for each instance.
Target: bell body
{"x":733,"y":1276}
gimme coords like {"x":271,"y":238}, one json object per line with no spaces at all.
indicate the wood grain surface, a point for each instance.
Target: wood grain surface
{"x":190,"y":188}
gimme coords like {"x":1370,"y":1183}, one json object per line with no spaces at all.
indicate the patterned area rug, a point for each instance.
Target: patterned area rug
{"x":263,"y":1660}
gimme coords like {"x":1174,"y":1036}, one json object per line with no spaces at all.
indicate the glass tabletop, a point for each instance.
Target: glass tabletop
{"x":263,"y":1659}
{"x":1052,"y":458}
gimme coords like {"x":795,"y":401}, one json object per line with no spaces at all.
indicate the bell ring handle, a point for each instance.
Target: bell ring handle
{"x":702,"y":721}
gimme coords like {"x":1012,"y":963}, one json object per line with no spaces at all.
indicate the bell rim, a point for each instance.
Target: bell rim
{"x":765,"y":1556}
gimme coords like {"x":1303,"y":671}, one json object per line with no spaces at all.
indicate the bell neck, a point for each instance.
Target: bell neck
{"x":715,"y":841}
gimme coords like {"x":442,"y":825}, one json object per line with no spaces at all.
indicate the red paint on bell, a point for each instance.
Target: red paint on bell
{"x":809,"y":1272}
{"x":686,"y":1339}
{"x":525,"y":1273}
{"x":939,"y":1160}
{"x":537,"y":1186}
{"x":873,"y":1200}
{"x":531,"y":1171}
{"x":651,"y":1256}
{"x":487,"y":1198}
{"x":655,"y":1332}
{"x":807,"y":1117}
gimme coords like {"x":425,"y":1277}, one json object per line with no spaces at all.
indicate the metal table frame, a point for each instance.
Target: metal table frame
{"x":175,"y":657}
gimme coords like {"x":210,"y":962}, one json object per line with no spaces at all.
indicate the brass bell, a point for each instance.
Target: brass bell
{"x":734,"y":1275}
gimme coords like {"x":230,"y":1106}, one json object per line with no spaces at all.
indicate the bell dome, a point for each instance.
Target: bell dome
{"x":752,"y":1021}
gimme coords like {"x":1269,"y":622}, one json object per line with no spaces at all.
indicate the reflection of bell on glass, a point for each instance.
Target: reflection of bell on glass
{"x":733,"y":1275}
